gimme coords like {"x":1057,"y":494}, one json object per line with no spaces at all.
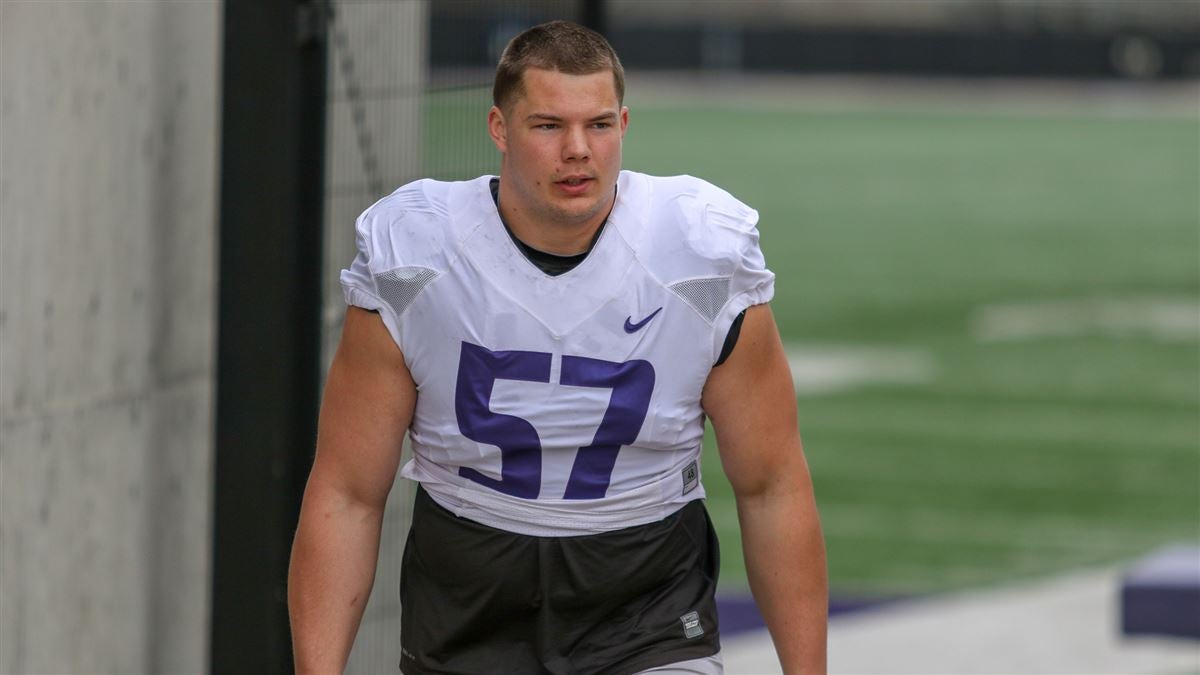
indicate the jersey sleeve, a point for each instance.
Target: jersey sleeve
{"x":402,"y":248}
{"x":750,"y":282}
{"x":360,"y":286}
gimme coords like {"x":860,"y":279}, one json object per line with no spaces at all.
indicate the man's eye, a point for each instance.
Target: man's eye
{"x":601,"y":125}
{"x":547,"y":126}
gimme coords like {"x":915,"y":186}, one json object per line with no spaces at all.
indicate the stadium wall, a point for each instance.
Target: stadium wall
{"x":1151,"y":40}
{"x":108,"y":125}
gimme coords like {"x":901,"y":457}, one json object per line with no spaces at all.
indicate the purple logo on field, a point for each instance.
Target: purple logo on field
{"x":635,"y":327}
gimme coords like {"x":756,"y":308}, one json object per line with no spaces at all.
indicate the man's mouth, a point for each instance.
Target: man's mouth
{"x":574,"y":185}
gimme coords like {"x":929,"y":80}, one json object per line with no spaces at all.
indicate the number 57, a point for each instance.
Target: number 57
{"x":632,"y":383}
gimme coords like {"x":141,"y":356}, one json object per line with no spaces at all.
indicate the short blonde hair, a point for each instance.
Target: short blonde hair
{"x":558,"y":45}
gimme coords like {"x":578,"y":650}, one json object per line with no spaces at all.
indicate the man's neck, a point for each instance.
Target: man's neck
{"x":555,"y":237}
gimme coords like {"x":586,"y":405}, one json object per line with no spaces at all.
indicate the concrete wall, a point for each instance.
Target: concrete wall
{"x":108,"y":148}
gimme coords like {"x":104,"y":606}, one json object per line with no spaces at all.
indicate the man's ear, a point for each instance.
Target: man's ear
{"x":497,"y":129}
{"x":624,"y":120}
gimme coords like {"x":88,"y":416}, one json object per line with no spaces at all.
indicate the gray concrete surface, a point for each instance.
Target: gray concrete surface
{"x":108,"y":149}
{"x":1064,"y":625}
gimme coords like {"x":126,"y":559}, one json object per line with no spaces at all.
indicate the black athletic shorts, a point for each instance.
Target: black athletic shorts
{"x":475,"y":599}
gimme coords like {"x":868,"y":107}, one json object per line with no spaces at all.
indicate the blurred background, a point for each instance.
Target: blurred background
{"x":984,"y":216}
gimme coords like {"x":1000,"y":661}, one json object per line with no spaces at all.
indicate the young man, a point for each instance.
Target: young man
{"x":552,"y":341}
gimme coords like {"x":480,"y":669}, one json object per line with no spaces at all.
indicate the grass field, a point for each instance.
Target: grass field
{"x":1048,"y":267}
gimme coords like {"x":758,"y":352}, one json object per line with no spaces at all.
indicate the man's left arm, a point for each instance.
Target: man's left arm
{"x":752,"y":403}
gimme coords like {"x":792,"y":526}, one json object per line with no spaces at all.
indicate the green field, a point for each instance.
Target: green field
{"x":1075,"y":442}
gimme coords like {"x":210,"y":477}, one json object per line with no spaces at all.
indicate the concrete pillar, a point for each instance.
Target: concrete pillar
{"x":108,"y":138}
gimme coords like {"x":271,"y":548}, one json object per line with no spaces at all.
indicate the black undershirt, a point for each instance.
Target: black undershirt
{"x":555,"y":265}
{"x":549,"y":263}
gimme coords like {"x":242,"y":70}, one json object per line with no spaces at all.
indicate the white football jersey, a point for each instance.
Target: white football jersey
{"x":559,"y":405}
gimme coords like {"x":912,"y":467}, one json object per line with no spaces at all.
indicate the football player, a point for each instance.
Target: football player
{"x":552,"y":340}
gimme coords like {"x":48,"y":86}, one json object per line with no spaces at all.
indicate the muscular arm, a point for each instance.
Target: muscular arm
{"x":752,"y":404}
{"x":368,"y":405}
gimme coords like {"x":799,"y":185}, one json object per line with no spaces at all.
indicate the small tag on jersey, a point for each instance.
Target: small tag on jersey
{"x":691,"y":477}
{"x":691,"y":625}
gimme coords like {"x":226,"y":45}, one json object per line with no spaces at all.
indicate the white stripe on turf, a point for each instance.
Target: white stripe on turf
{"x":822,"y":369}
{"x":1166,"y":318}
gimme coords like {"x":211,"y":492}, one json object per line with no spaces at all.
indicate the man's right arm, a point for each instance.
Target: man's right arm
{"x":367,"y":407}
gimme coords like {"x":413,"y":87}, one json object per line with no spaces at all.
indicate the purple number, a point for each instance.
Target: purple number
{"x":520,"y":447}
{"x":632,"y":383}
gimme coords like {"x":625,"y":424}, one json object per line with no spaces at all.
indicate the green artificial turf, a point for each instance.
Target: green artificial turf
{"x":894,"y":229}
{"x":1019,"y":457}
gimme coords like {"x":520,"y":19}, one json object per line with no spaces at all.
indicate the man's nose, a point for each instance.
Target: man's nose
{"x":575,"y":146}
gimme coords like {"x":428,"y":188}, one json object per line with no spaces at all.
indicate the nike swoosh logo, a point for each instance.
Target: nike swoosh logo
{"x":635,"y":327}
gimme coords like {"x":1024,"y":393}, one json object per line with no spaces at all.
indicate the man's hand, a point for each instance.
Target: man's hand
{"x":752,"y":404}
{"x":368,"y":405}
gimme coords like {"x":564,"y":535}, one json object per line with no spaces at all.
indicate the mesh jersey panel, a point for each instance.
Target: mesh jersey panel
{"x":399,"y":287}
{"x":706,"y":296}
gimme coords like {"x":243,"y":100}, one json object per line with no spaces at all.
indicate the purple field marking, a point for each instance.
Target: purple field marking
{"x":1160,"y":594}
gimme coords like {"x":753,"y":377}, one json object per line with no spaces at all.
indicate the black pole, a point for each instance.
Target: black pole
{"x":268,"y":339}
{"x":595,"y":16}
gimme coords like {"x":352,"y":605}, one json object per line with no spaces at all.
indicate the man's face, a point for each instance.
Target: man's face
{"x":561,"y":141}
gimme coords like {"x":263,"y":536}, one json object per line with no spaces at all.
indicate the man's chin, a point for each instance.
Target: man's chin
{"x":577,"y":210}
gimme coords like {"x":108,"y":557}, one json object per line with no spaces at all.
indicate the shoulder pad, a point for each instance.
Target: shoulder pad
{"x":690,"y":228}
{"x":698,"y":241}
{"x":412,"y":227}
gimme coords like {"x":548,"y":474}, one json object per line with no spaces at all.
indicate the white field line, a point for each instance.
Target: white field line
{"x":1066,"y":624}
{"x":822,"y":369}
{"x":1165,"y":318}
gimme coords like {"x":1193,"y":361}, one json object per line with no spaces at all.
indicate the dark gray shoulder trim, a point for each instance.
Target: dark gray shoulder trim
{"x":399,"y":287}
{"x":706,"y":296}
